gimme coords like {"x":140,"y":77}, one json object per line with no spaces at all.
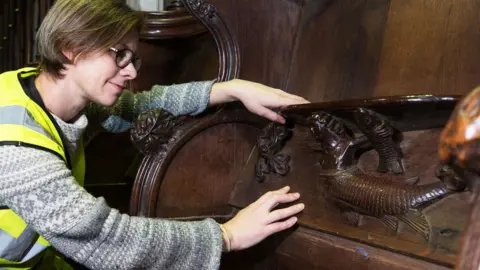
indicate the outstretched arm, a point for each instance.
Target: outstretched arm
{"x":178,"y":99}
{"x":193,"y":98}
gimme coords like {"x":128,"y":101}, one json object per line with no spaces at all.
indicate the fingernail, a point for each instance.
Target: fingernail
{"x":301,"y":206}
{"x":285,"y":187}
{"x":296,"y":195}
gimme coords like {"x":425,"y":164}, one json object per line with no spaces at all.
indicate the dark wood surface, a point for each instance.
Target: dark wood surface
{"x":335,"y":50}
{"x":309,"y":249}
{"x":342,"y":49}
{"x":449,"y":214}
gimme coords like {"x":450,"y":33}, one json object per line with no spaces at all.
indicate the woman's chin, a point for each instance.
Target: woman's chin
{"x":108,"y":101}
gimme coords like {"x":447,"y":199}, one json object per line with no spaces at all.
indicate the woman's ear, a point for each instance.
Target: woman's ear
{"x":68,"y":55}
{"x":71,"y":57}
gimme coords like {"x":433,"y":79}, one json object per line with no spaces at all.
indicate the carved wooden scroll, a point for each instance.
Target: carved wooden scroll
{"x":367,"y":170}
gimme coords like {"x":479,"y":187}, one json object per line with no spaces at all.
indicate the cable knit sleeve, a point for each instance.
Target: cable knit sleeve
{"x":37,"y":186}
{"x":178,"y":99}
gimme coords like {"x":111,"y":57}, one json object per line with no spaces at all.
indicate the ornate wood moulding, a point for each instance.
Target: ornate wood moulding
{"x":173,"y":22}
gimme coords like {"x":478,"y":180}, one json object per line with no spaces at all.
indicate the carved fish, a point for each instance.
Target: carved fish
{"x":380,"y":134}
{"x":358,"y":193}
{"x":383,"y":198}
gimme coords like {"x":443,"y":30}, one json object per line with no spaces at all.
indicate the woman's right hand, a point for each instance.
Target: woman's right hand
{"x":256,"y":222}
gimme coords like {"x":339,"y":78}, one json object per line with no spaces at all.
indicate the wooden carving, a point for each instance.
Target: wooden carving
{"x":413,"y":205}
{"x":153,"y":131}
{"x":381,"y":135}
{"x":359,"y":193}
{"x":171,"y":23}
{"x":459,"y":151}
{"x":202,"y":8}
{"x":228,"y":51}
{"x":269,"y":143}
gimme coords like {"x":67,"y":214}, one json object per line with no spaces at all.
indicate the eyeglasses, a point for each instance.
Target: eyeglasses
{"x":124,"y":57}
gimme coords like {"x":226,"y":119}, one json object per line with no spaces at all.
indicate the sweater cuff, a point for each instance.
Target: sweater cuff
{"x":194,"y":244}
{"x":200,"y":95}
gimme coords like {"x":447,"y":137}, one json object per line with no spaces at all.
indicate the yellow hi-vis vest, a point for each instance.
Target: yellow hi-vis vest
{"x":24,"y":121}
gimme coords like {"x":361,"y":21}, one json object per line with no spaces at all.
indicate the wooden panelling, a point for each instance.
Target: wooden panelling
{"x":337,"y":53}
{"x":460,"y":72}
{"x":266,"y":33}
{"x":358,"y":48}
{"x":204,"y":168}
{"x":413,"y":48}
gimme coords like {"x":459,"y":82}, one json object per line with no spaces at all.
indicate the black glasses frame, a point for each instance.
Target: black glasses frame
{"x":137,"y":62}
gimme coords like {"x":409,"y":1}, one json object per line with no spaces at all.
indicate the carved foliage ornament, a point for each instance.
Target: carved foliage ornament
{"x":202,"y":9}
{"x":269,"y":143}
{"x":153,"y":130}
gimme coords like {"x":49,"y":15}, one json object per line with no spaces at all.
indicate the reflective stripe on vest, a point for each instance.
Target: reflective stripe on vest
{"x":18,"y":115}
{"x":20,"y":249}
{"x":24,"y":122}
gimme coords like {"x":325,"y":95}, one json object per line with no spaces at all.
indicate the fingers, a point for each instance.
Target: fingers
{"x":277,"y":199}
{"x":280,"y":226}
{"x":285,"y":212}
{"x":256,"y":222}
{"x":296,"y":99}
{"x":268,"y":195}
{"x":269,"y":114}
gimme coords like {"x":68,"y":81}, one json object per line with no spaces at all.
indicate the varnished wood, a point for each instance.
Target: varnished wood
{"x":327,"y":51}
{"x":308,"y":249}
{"x":469,"y":258}
{"x":227,"y":46}
{"x":313,"y":175}
{"x":177,"y":23}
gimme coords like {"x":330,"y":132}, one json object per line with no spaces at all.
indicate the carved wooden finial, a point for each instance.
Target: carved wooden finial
{"x":460,"y":139}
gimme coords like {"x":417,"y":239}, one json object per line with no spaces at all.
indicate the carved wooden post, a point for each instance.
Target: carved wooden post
{"x":459,"y":148}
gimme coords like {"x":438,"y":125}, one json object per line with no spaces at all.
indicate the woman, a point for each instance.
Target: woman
{"x":87,"y":51}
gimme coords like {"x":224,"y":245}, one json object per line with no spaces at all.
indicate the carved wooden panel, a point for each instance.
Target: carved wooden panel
{"x":368,"y":171}
{"x":376,"y":194}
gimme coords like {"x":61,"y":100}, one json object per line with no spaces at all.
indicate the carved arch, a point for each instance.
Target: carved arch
{"x":228,"y":51}
{"x":167,"y":144}
{"x":160,"y":136}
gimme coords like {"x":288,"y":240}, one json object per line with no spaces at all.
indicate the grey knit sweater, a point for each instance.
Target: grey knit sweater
{"x":39,"y":187}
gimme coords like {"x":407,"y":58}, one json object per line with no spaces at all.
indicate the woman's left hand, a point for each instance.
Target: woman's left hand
{"x":257,"y":98}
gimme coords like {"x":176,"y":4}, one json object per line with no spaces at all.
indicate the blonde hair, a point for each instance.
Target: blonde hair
{"x":82,"y":27}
